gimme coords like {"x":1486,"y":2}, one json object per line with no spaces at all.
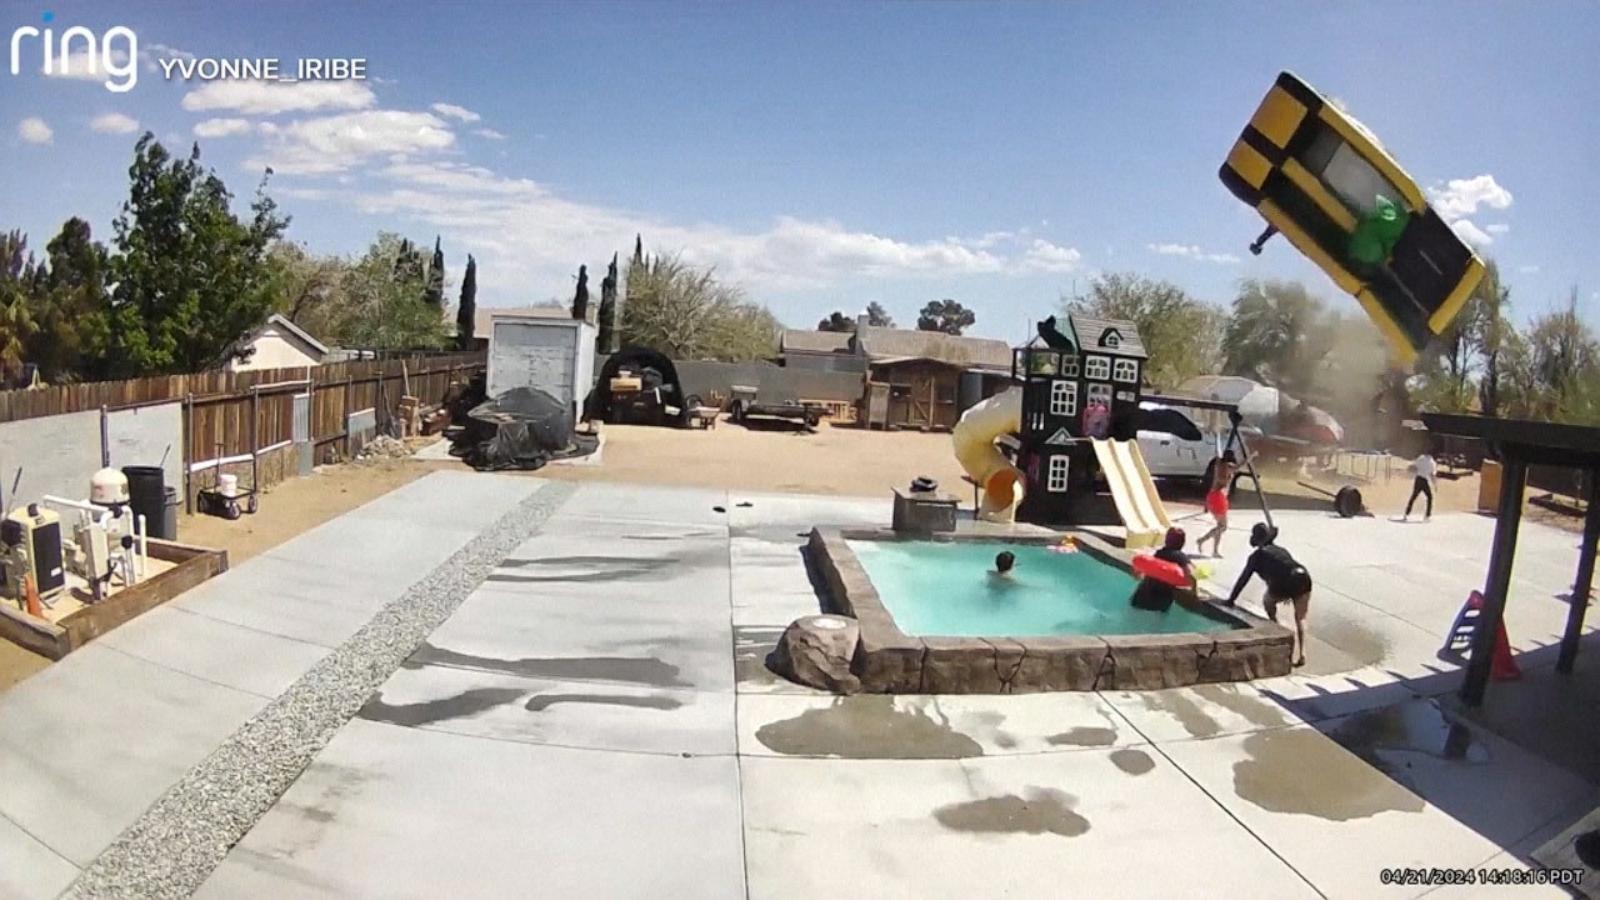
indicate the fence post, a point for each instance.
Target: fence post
{"x":349,"y":379}
{"x":188,"y":455}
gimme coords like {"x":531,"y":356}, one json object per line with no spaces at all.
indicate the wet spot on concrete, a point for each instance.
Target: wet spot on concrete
{"x":1401,"y":738}
{"x":606,"y":568}
{"x":458,"y":706}
{"x":633,"y":670}
{"x":752,"y":645}
{"x":543,"y":702}
{"x":1042,"y":811}
{"x":1132,"y":761}
{"x":1084,"y":737}
{"x":1188,"y":713}
{"x":867,"y":726}
{"x":1253,"y":708}
{"x":1360,"y":643}
{"x":1299,"y":771}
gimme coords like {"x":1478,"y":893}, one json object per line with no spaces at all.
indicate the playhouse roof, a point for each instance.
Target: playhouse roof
{"x":1113,"y":337}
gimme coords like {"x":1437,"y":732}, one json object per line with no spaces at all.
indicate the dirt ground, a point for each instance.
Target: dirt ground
{"x":831,"y":461}
{"x":286,"y":510}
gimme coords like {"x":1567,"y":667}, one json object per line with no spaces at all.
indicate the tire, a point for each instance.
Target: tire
{"x":736,"y":411}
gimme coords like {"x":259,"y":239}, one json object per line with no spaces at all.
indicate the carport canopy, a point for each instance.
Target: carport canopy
{"x":1519,"y":444}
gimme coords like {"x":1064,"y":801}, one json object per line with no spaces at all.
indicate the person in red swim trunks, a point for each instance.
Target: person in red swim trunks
{"x":1217,"y":502}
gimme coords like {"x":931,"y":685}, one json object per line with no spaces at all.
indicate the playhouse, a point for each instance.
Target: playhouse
{"x":1079,"y":382}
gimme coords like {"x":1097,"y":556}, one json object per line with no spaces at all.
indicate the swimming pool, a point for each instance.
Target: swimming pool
{"x":946,"y":589}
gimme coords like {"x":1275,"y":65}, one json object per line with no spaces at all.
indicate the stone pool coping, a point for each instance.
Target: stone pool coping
{"x":887,"y":660}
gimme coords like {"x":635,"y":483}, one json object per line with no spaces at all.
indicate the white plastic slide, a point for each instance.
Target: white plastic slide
{"x":974,"y":437}
{"x":1134,"y":493}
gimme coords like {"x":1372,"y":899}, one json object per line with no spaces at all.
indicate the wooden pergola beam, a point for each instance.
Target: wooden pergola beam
{"x":1498,"y":583}
{"x":1578,"y":602}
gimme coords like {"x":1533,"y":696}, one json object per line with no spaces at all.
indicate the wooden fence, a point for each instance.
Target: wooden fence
{"x":230,"y":417}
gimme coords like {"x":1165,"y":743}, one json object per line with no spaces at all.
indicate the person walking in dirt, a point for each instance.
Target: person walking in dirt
{"x":1287,"y":582}
{"x":1217,"y":502}
{"x":1427,"y":474}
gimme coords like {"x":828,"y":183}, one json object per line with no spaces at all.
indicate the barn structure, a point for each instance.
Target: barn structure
{"x":914,"y":379}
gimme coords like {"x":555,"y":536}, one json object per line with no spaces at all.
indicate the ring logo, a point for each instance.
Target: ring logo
{"x":116,"y":53}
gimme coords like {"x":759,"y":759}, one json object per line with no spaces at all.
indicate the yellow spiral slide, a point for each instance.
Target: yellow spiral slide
{"x":974,"y":438}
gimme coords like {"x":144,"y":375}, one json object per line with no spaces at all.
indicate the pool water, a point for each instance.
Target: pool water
{"x":947,"y":589}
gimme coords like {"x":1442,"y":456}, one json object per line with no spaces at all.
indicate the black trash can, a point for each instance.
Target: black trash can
{"x":147,"y":496}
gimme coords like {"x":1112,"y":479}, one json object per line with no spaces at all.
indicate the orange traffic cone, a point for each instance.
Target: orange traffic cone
{"x":31,"y":591}
{"x":1502,"y":667}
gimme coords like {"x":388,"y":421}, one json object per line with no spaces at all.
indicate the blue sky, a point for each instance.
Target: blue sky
{"x":828,"y":155}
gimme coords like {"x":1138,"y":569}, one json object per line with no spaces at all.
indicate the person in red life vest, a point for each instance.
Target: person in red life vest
{"x":1156,"y":595}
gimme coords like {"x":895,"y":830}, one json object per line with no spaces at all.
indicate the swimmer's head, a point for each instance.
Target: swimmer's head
{"x":1004,"y":561}
{"x":1175,"y":538}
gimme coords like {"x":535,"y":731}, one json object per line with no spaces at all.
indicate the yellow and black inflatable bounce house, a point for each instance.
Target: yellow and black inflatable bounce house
{"x":1320,"y":178}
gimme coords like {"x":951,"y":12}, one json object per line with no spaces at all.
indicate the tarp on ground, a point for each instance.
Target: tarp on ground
{"x":524,"y":428}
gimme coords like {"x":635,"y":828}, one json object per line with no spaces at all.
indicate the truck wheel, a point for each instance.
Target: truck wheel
{"x":736,"y":411}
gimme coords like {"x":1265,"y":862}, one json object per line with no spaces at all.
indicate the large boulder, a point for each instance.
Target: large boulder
{"x":816,"y":651}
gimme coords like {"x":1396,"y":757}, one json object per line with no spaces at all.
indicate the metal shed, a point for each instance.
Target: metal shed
{"x":552,"y":355}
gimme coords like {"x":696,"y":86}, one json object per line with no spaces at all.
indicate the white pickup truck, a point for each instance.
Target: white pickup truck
{"x":1174,"y":445}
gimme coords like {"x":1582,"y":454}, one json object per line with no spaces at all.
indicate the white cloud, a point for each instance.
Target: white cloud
{"x":1190,"y":251}
{"x":1461,"y":197}
{"x":221,"y":128}
{"x":1043,"y":256}
{"x":525,"y":236}
{"x":337,"y":143}
{"x":114,"y":123}
{"x":1528,"y":270}
{"x":450,"y":110}
{"x":34,"y":130}
{"x":81,"y":65}
{"x":1497,"y":228}
{"x":489,"y":133}
{"x":1471,"y":233}
{"x":269,"y":98}
{"x":154,"y":53}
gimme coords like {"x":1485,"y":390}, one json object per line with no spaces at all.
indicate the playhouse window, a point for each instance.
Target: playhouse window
{"x":1063,"y":398}
{"x":1056,"y":480}
{"x":1069,"y":365}
{"x":1127,"y":370}
{"x":1099,"y":392}
{"x":1097,"y":367}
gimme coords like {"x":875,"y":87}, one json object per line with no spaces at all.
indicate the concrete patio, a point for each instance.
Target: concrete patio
{"x":594,"y":718}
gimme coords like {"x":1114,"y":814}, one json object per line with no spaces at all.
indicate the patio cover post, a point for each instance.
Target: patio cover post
{"x":1578,"y":603}
{"x":1498,"y":583}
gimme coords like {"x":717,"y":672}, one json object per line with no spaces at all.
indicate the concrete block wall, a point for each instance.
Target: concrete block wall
{"x":57,"y":454}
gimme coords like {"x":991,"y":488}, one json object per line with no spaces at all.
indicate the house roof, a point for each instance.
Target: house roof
{"x":481,"y":317}
{"x":800,"y":341}
{"x":282,"y":323}
{"x":1114,"y":337}
{"x":890,"y":344}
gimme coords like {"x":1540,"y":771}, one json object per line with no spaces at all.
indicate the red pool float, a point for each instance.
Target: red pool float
{"x":1161,"y":570}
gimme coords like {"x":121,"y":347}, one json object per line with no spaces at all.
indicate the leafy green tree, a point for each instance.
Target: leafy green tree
{"x":434,"y":293}
{"x":71,"y":306}
{"x":467,"y":311}
{"x":877,"y":316}
{"x":306,"y":287}
{"x":382,"y":306}
{"x":1182,"y":335}
{"x":838,"y":322}
{"x":687,"y":313}
{"x":947,"y":316}
{"x":190,"y":277}
{"x":17,"y":273}
{"x":1279,"y":334}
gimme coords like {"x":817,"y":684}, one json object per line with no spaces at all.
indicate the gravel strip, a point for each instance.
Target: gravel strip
{"x":179,"y":840}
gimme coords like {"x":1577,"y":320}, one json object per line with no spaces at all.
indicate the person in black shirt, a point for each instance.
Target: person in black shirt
{"x":1157,"y":595}
{"x":1287,"y":582}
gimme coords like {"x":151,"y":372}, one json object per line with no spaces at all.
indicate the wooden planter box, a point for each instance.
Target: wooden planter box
{"x":192,"y":565}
